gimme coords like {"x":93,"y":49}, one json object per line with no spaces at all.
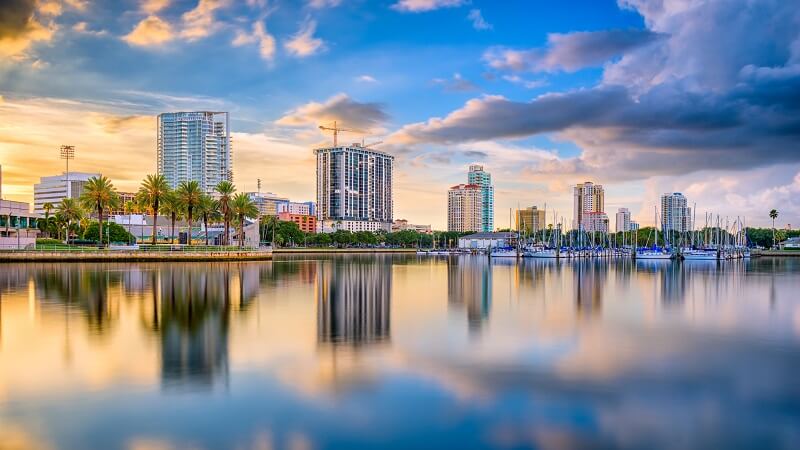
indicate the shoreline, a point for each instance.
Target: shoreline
{"x":131,"y":256}
{"x":323,"y":251}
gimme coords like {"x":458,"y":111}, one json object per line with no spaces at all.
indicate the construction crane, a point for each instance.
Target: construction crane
{"x":370,"y":144}
{"x":336,"y":131}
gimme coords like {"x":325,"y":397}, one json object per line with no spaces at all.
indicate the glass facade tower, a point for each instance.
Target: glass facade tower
{"x":194,"y":146}
{"x":483,"y":179}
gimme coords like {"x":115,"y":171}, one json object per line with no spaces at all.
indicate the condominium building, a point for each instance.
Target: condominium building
{"x":268,"y":204}
{"x":623,"y":222}
{"x":195,"y":146}
{"x":595,"y":222}
{"x":675,"y":215}
{"x":530,"y":220}
{"x":588,"y":198}
{"x":354,"y":188}
{"x":465,"y":208}
{"x":55,"y":188}
{"x":480,"y":177}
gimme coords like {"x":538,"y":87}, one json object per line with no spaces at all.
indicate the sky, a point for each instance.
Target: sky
{"x":644,"y":97}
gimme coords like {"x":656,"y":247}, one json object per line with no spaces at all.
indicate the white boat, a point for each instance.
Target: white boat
{"x":697,"y":255}
{"x":504,"y":252}
{"x":653,"y":254}
{"x":540,"y":253}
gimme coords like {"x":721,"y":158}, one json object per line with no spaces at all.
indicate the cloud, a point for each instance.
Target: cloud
{"x":319,"y":4}
{"x":366,"y":79}
{"x":151,"y":31}
{"x":83,"y":28}
{"x":527,"y":84}
{"x":260,"y":36}
{"x":341,"y":108}
{"x":426,"y":5}
{"x":200,"y":21}
{"x":20,"y":27}
{"x":303,"y":43}
{"x":478,"y":22}
{"x":154,"y":6}
{"x":456,"y":84}
{"x":571,"y":51}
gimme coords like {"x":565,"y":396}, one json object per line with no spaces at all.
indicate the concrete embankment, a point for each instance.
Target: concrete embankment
{"x":326,"y":251}
{"x":131,"y":256}
{"x":783,"y":253}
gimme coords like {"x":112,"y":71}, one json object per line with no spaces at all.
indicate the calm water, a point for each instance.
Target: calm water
{"x":400,"y":352}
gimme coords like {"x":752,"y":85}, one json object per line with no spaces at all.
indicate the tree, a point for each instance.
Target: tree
{"x":773,"y":214}
{"x":99,"y":195}
{"x":207,"y":208}
{"x":70,"y":211}
{"x":242,"y":207}
{"x":152,"y":192}
{"x":47,"y":207}
{"x":225,"y":189}
{"x":171,"y":206}
{"x":189,"y":194}
{"x":116,"y":232}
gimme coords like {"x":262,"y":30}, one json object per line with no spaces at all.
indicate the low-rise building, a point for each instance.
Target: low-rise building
{"x":18,"y":225}
{"x":307,"y":223}
{"x":403,"y":225}
{"x":268,"y":204}
{"x":485,"y":240}
{"x":55,"y":188}
{"x":302,"y":208}
{"x":595,"y":222}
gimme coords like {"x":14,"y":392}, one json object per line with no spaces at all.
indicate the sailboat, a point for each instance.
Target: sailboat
{"x":655,"y":252}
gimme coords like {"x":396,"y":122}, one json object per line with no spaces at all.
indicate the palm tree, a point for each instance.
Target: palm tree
{"x":242,"y":207}
{"x":773,"y":214}
{"x":47,"y":207}
{"x":172,"y":207}
{"x":225,"y":189}
{"x":152,"y":192}
{"x":208,"y":208}
{"x":189,"y":194}
{"x":99,"y":195}
{"x":70,"y":211}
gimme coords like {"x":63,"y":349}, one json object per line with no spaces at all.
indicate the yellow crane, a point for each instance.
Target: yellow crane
{"x":336,"y":131}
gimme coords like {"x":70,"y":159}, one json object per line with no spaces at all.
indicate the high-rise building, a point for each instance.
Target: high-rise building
{"x":465,"y":208}
{"x":675,"y":215}
{"x":623,"y":224}
{"x":588,"y":198}
{"x":55,"y":188}
{"x":530,"y":220}
{"x":354,"y":188}
{"x":483,"y":179}
{"x":195,"y":146}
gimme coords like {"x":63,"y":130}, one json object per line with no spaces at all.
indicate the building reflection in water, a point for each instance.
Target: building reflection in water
{"x":354,"y":301}
{"x":469,"y":286}
{"x":590,"y":278}
{"x":196,"y":303}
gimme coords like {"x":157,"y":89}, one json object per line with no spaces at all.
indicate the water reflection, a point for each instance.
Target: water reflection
{"x":469,"y":287}
{"x":399,"y":352}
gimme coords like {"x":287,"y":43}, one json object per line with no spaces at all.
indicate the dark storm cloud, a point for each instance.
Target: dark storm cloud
{"x":571,"y":51}
{"x":15,"y":17}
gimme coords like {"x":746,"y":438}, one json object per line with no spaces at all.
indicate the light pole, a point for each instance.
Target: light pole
{"x":67,"y":153}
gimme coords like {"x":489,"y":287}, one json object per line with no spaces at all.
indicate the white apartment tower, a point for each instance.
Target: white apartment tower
{"x":354,"y":188}
{"x":623,"y":220}
{"x":194,"y":146}
{"x":589,"y":207}
{"x":675,"y":215}
{"x":465,"y":208}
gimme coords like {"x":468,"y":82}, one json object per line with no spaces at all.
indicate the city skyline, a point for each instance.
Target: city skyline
{"x":542,"y":97}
